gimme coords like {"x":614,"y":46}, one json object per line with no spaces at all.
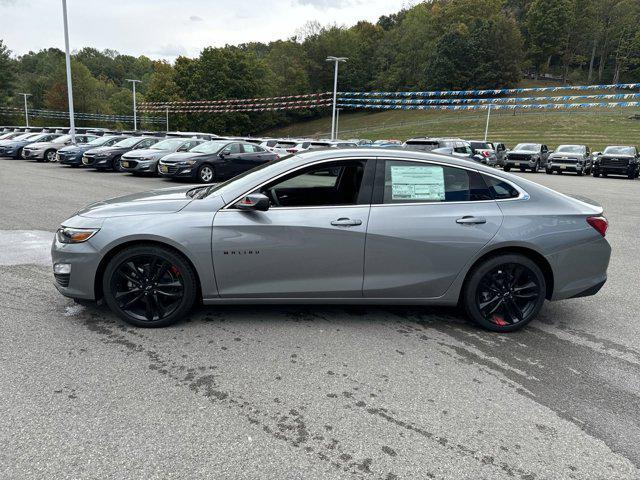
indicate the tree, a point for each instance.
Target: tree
{"x":547,"y":25}
{"x":7,"y":73}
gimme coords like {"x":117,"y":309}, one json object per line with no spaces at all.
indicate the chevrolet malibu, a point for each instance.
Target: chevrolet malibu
{"x":46,"y":151}
{"x":338,"y":227}
{"x":146,"y":160}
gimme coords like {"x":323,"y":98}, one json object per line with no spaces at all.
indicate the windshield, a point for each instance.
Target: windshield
{"x":37,"y":137}
{"x":620,"y":151}
{"x":481,"y":146}
{"x":528,"y":147}
{"x":169,"y":144}
{"x":209,"y":147}
{"x":571,"y":149}
{"x":96,"y":142}
{"x":127,"y":142}
{"x":63,"y":138}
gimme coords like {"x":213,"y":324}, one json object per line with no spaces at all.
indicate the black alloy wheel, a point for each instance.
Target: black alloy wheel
{"x":505,"y":292}
{"x":149,"y":286}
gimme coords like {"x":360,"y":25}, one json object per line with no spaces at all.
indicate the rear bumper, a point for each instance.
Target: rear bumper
{"x":580,"y":270}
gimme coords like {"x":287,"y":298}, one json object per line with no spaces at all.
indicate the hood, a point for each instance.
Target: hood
{"x":72,"y":149}
{"x":160,"y":201}
{"x":37,"y":145}
{"x":615,"y":155}
{"x":145,"y":153}
{"x":102,"y":150}
{"x":179,"y":156}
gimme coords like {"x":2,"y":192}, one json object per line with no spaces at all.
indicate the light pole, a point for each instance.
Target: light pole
{"x":336,"y":60}
{"x":135,"y":118}
{"x":72,"y":122}
{"x":167,"y":119}
{"x":486,"y":128}
{"x":26,"y":108}
{"x":337,"y":121}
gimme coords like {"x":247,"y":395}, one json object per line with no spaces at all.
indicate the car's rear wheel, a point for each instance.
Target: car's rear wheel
{"x":149,"y":286}
{"x":206,"y":174}
{"x":506,"y":169}
{"x":504,"y":293}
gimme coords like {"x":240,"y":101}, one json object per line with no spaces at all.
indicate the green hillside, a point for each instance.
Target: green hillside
{"x":595,"y":128}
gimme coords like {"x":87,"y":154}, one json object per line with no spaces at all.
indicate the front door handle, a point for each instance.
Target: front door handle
{"x":471,"y":220}
{"x":346,"y":222}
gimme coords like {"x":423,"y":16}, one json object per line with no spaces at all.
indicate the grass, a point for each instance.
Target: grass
{"x":596,"y":128}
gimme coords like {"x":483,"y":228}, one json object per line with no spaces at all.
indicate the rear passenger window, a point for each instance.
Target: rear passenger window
{"x":417,"y":182}
{"x":499,"y":189}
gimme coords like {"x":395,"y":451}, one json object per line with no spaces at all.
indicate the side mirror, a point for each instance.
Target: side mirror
{"x":254,"y":201}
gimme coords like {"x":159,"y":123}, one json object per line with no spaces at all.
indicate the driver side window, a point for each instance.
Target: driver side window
{"x":232,"y":149}
{"x":335,"y":183}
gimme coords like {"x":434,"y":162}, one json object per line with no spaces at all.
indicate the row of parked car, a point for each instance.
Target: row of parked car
{"x":536,"y":157}
{"x":208,"y":158}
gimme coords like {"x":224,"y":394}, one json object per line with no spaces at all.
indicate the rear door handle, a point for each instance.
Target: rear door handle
{"x":346,"y":222}
{"x":470,"y":220}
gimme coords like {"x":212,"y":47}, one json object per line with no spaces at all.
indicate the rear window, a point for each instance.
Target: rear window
{"x":425,"y":146}
{"x":285,"y":144}
{"x":481,"y":146}
{"x":499,"y":189}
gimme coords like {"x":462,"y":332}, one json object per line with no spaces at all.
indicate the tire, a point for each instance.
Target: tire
{"x":579,"y":173}
{"x":158,"y":284}
{"x":506,"y":169}
{"x":206,"y":173}
{"x":522,"y":169}
{"x":548,"y":171}
{"x":499,"y":283}
{"x":115,"y":165}
{"x":18,"y":154}
{"x":595,"y":174}
{"x":49,"y":156}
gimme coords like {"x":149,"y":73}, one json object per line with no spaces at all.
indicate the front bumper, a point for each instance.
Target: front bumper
{"x":565,"y":167}
{"x":9,"y":152}
{"x":28,"y":154}
{"x":95,"y":162}
{"x":139,"y":166}
{"x":84,"y":260}
{"x":177,"y":171}
{"x":69,"y":159}
{"x":519,"y":163}
{"x":615,"y":169}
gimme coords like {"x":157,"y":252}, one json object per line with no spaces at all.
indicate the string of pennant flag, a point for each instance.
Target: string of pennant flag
{"x":529,"y":106}
{"x":256,"y":107}
{"x":446,"y":101}
{"x":100,"y":117}
{"x":292,"y":99}
{"x":500,"y":91}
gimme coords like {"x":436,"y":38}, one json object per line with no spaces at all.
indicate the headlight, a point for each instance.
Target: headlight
{"x":75,"y":235}
{"x":188,"y":162}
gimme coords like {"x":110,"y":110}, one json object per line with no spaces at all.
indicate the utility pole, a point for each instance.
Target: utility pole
{"x":135,"y":118}
{"x":336,"y":60}
{"x":26,"y":108}
{"x":72,"y":123}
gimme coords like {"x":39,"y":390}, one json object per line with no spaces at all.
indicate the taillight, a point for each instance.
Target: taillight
{"x":599,"y":223}
{"x":485,"y":154}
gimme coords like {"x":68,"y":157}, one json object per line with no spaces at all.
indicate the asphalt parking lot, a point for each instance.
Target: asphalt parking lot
{"x":304,"y":391}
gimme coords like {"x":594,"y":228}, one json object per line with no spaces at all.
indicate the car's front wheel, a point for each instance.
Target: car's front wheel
{"x":149,"y":286}
{"x":206,"y":174}
{"x":50,"y":156}
{"x":504,"y":293}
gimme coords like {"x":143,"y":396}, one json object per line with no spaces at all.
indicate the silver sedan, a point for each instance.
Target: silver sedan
{"x":339,"y":226}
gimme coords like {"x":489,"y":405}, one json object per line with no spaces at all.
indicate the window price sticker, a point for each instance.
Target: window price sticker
{"x":417,"y":183}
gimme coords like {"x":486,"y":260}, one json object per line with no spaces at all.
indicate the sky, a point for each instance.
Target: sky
{"x":164,"y":29}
